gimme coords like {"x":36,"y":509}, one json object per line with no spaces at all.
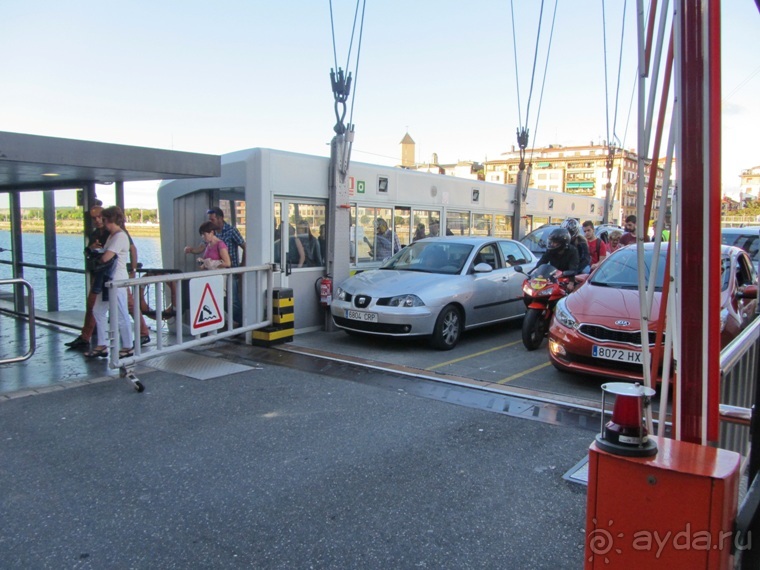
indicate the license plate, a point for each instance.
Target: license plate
{"x":616,"y":354}
{"x":361,"y":316}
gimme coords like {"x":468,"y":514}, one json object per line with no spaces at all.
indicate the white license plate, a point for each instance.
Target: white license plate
{"x":616,"y":354}
{"x":361,"y":316}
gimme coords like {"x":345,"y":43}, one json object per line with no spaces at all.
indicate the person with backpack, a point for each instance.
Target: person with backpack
{"x":578,"y":241}
{"x":596,"y":247}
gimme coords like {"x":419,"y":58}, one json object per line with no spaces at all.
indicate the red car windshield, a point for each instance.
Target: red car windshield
{"x":621,"y":270}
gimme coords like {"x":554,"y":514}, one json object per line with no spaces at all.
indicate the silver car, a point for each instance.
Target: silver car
{"x":436,"y":287}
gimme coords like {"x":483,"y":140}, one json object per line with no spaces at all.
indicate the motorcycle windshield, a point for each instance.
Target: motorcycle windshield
{"x":545,"y":270}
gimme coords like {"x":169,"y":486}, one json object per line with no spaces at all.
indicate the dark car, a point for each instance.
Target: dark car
{"x":747,"y":238}
{"x":536,"y":240}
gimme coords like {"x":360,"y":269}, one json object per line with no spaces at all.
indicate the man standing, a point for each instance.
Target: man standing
{"x":596,"y":247}
{"x":629,"y":236}
{"x":386,"y":240}
{"x":228,"y":234}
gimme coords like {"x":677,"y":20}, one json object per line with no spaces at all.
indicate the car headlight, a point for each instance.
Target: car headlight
{"x":564,"y":316}
{"x":405,"y":301}
{"x":340,"y":295}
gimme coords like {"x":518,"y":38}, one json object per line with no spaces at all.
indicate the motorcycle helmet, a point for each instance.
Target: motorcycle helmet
{"x":559,"y":238}
{"x":572,"y":226}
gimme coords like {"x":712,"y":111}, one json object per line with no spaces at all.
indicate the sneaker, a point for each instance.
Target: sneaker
{"x":78,"y":342}
{"x":144,"y":340}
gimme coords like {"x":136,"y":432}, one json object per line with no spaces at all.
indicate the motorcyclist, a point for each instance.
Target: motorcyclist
{"x":579,"y":242}
{"x":560,"y":254}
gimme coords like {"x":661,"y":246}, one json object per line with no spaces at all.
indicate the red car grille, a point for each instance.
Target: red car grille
{"x":609,"y":335}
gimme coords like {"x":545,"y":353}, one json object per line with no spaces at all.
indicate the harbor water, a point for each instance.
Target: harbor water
{"x":70,"y":248}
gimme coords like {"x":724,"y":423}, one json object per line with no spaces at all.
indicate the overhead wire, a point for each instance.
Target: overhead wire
{"x":543,"y":82}
{"x":612,"y":135}
{"x":523,"y":131}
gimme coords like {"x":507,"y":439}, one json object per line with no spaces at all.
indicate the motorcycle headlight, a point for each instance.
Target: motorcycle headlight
{"x":340,"y":294}
{"x":405,"y":301}
{"x":723,"y":319}
{"x":564,"y":316}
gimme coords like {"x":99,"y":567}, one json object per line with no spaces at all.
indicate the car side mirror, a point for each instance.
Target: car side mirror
{"x":483,"y":268}
{"x":749,"y":292}
{"x":519,"y":269}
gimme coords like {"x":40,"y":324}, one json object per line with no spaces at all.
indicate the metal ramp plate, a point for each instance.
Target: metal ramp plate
{"x":579,"y":472}
{"x":196,"y":365}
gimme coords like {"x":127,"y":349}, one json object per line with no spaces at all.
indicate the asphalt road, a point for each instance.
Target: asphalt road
{"x":281,"y":468}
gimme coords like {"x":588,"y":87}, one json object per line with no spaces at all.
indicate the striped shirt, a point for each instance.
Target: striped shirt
{"x":232,"y":237}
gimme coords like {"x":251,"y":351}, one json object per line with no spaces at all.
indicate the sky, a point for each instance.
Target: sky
{"x":215,"y":77}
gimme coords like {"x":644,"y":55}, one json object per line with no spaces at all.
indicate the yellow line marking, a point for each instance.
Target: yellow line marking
{"x":473,"y":355}
{"x":523,"y":373}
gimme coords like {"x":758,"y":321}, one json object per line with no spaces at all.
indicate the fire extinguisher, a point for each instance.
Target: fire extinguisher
{"x":325,"y":291}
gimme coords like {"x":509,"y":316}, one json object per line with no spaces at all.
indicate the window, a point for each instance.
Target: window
{"x":487,"y":254}
{"x":514,"y":253}
{"x":482,"y":224}
{"x":457,"y":223}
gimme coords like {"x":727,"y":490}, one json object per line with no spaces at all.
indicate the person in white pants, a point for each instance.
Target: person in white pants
{"x":117,"y":245}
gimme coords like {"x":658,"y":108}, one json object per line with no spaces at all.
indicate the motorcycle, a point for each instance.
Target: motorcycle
{"x":541,"y":292}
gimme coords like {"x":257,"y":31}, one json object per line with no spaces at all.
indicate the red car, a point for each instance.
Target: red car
{"x":596,"y":330}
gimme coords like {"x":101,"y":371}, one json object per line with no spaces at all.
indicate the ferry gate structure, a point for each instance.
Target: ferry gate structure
{"x":278,"y":189}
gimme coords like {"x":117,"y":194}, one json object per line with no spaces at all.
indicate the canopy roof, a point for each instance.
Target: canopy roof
{"x":32,"y":162}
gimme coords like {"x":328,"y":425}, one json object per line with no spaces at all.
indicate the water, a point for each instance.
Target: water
{"x":71,"y":286}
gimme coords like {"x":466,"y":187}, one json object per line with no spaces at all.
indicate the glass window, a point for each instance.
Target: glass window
{"x":502,"y":226}
{"x":375,"y":239}
{"x":425,"y":223}
{"x":482,"y":225}
{"x":514,"y":253}
{"x":488,"y":254}
{"x":457,"y":223}
{"x":306,"y":225}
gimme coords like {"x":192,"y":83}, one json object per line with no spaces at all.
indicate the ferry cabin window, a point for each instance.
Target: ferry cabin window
{"x":502,"y":226}
{"x":368,"y":247}
{"x":304,"y":222}
{"x":482,"y":225}
{"x":309,"y":221}
{"x":402,"y":225}
{"x":425,"y":221}
{"x":457,"y":223}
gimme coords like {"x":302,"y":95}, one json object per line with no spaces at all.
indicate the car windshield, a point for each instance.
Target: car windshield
{"x":430,"y":257}
{"x":621,"y":270}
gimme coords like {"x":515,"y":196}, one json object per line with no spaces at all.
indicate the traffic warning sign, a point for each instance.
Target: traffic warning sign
{"x":206,"y":302}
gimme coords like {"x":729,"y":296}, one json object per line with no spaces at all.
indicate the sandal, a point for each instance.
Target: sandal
{"x":98,"y":351}
{"x":126,"y":352}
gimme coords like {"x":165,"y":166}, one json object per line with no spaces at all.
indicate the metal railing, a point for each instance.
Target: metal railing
{"x":738,"y":370}
{"x":29,"y":316}
{"x":171,"y":286}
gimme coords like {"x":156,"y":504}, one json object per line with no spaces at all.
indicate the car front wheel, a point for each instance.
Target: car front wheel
{"x":448,"y":328}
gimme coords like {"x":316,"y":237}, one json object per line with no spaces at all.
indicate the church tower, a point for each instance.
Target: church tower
{"x":407,"y":152}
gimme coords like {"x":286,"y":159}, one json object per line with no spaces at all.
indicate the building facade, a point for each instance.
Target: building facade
{"x":579,"y":170}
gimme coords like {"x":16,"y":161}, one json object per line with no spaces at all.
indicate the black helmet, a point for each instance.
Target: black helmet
{"x":571,"y":225}
{"x":559,"y":238}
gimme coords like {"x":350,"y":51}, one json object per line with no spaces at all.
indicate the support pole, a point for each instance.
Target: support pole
{"x":700,"y":250}
{"x":17,"y":249}
{"x":339,"y":219}
{"x":51,"y":250}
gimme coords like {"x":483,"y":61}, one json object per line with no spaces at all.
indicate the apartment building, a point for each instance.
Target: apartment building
{"x":578,"y":170}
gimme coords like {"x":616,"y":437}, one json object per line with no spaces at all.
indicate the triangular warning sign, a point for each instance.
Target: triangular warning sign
{"x":208,"y":313}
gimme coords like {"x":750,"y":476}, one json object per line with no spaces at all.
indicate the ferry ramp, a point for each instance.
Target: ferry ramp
{"x":284,"y":464}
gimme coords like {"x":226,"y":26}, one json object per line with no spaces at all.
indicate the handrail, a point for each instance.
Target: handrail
{"x":30,"y":316}
{"x":263,"y":275}
{"x":737,"y":348}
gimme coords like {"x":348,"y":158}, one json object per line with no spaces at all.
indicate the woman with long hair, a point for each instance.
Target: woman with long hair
{"x":116,"y":247}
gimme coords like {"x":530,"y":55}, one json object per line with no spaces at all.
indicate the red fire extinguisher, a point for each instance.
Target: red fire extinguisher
{"x":325,"y":291}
